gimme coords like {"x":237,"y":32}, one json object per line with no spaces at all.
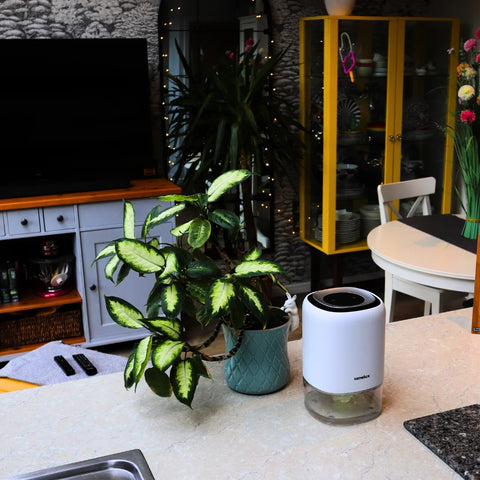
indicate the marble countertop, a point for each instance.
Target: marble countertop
{"x":431,"y":366}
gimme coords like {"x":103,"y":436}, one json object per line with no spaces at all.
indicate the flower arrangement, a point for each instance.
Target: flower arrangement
{"x":467,"y":131}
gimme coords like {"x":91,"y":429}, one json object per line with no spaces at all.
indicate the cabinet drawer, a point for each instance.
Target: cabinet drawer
{"x":58,"y":218}
{"x":21,"y":222}
{"x":110,"y":214}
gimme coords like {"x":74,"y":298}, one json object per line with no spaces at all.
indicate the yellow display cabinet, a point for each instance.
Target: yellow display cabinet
{"x":375,"y":96}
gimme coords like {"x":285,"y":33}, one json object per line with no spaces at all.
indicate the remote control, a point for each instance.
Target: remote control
{"x":85,"y":363}
{"x":64,"y":365}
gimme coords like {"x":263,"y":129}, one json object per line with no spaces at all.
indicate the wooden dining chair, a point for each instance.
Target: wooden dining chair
{"x":418,"y":191}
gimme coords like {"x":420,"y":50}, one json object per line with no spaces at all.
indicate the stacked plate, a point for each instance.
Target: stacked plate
{"x":347,"y":227}
{"x":370,"y":217}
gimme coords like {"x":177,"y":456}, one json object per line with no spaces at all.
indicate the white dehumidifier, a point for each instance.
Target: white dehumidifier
{"x":343,"y":335}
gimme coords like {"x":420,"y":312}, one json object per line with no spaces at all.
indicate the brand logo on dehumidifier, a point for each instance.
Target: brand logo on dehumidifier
{"x":363,"y":377}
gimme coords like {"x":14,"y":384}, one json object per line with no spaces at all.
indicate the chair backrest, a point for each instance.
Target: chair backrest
{"x":418,"y":189}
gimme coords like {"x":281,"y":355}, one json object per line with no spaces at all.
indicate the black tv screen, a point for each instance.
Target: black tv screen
{"x":75,"y":115}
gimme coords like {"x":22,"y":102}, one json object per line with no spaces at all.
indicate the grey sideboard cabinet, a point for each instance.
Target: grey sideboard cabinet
{"x":86,"y":222}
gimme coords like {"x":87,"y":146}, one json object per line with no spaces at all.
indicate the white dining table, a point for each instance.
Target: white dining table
{"x":412,"y":254}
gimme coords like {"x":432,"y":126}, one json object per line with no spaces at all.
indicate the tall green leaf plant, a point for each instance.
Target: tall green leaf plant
{"x":227,"y":116}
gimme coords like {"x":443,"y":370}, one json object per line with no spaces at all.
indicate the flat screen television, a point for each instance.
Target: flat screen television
{"x":75,"y":115}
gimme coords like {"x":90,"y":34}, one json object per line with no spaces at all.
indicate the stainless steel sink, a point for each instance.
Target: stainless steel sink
{"x":129,"y":465}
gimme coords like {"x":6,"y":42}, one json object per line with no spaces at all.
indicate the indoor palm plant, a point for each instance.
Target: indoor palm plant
{"x":227,"y":116}
{"x":188,"y":282}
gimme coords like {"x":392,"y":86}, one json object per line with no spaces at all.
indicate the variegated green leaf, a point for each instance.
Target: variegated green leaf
{"x":154,"y":242}
{"x":184,"y":380}
{"x":111,"y":266}
{"x":166,"y":353}
{"x":128,"y":220}
{"x":108,"y":251}
{"x":199,"y":232}
{"x":200,"y":367}
{"x":225,"y":219}
{"x":253,"y":254}
{"x":202,"y":201}
{"x":159,"y":215}
{"x":179,"y":198}
{"x":184,"y":257}
{"x":202,"y":269}
{"x":142,"y":356}
{"x":159,"y":382}
{"x":225,"y":182}
{"x":253,"y":300}
{"x":172,"y":297}
{"x":170,"y":328}
{"x":124,"y":271}
{"x":257,"y":267}
{"x":155,"y":293}
{"x":141,"y":257}
{"x":123,"y":313}
{"x":181,"y":229}
{"x":202,"y":316}
{"x":237,"y":314}
{"x":219,"y":296}
{"x":128,"y":374}
{"x":171,"y":264}
{"x":198,"y":290}
{"x":153,"y":310}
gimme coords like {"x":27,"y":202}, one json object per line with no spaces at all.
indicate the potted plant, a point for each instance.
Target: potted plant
{"x":188,"y":282}
{"x":227,"y":116}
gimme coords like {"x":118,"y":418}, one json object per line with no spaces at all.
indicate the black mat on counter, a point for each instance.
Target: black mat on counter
{"x":446,"y":227}
{"x":454,"y":436}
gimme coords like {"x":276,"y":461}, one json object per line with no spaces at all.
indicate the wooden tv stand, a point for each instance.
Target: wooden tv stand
{"x":88,"y":221}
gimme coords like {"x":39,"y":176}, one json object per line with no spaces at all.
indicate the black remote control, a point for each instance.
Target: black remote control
{"x":85,"y":363}
{"x":64,"y":365}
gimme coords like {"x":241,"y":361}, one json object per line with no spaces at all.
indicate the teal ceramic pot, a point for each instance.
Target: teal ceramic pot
{"x":261,"y":364}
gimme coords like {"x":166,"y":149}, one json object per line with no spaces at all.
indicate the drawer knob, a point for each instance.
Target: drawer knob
{"x":24,"y":222}
{"x":60,"y":219}
{"x":93,"y":287}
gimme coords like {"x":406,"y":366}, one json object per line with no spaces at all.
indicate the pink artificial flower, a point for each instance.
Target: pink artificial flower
{"x":232,"y":55}
{"x":249,"y":44}
{"x":477,"y":33}
{"x":450,"y":51}
{"x":478,"y":58}
{"x":470,"y":44}
{"x":467,"y":116}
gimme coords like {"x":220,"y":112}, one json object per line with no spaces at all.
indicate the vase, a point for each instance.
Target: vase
{"x":471,"y":227}
{"x":261,"y":364}
{"x":339,"y":7}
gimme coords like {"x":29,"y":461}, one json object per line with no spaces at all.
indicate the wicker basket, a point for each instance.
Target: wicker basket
{"x":41,"y":328}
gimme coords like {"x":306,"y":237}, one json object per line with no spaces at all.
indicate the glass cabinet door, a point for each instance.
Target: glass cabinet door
{"x":374,"y":92}
{"x":427,"y":108}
